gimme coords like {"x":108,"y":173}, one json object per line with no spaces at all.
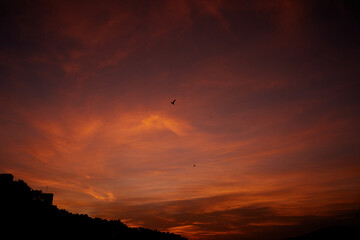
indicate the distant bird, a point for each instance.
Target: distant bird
{"x":194,"y":165}
{"x":173,"y":102}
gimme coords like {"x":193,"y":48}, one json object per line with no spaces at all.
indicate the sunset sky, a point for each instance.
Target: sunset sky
{"x":267,"y":109}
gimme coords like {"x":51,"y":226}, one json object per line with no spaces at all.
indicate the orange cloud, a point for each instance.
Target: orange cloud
{"x":159,"y":122}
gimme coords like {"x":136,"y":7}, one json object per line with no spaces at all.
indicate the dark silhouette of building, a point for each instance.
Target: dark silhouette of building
{"x":28,"y":214}
{"x":6,"y":178}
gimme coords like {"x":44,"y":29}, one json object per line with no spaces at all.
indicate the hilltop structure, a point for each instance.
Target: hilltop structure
{"x":8,"y":185}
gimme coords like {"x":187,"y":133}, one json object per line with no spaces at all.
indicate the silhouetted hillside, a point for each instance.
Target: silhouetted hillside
{"x":335,"y":232}
{"x":30,"y":214}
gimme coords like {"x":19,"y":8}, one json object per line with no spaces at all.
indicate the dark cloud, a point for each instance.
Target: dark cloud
{"x":255,"y":221}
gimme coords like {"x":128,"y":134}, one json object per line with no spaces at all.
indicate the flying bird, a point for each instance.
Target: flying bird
{"x":194,"y":165}
{"x":173,"y":102}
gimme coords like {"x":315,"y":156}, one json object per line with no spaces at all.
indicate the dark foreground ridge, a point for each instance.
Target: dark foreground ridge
{"x":30,"y":214}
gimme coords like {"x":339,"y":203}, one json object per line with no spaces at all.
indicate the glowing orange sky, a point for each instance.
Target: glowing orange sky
{"x":267,"y":109}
